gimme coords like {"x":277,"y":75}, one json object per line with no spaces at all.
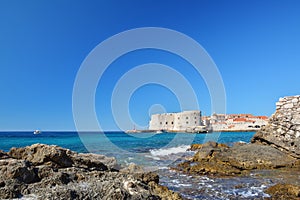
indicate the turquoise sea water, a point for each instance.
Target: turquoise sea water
{"x":141,"y":142}
{"x":125,"y":147}
{"x":156,"y":152}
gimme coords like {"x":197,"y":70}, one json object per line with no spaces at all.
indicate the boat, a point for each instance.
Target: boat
{"x":37,"y":132}
{"x":161,"y":131}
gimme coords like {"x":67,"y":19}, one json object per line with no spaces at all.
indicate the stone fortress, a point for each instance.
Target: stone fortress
{"x":193,"y":121}
{"x":186,"y":121}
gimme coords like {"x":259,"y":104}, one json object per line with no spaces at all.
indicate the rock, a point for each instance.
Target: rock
{"x":18,"y":169}
{"x":206,"y":161}
{"x":163,"y":192}
{"x":11,"y":188}
{"x":195,"y":147}
{"x":132,"y":168}
{"x":239,"y":159}
{"x":209,"y":144}
{"x":282,"y":130}
{"x":3,"y":155}
{"x":239,"y":144}
{"x":284,"y":191}
{"x":41,"y":154}
{"x":110,"y":162}
{"x":36,"y":172}
{"x":92,"y":161}
{"x":147,"y":177}
{"x":254,"y":156}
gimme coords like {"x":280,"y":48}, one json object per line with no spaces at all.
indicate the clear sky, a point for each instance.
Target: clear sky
{"x":254,"y":43}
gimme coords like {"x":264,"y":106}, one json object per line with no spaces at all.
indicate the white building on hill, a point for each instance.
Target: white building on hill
{"x":176,"y":121}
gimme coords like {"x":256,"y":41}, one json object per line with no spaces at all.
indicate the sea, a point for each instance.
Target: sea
{"x":158,"y":152}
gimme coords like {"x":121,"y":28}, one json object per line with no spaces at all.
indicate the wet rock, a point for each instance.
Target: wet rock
{"x":284,"y":191}
{"x":163,"y":192}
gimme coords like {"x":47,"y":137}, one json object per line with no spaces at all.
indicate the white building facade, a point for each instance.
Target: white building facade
{"x":176,"y":121}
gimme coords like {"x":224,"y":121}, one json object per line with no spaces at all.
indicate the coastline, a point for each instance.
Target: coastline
{"x":265,"y":166}
{"x":205,"y":132}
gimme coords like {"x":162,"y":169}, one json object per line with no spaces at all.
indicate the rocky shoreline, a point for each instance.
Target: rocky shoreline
{"x":44,"y":171}
{"x":275,"y":147}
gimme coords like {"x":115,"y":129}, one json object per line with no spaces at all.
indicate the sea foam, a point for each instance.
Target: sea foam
{"x":169,"y":151}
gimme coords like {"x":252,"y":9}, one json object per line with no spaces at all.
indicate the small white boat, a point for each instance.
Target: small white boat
{"x":160,"y":131}
{"x":37,"y":132}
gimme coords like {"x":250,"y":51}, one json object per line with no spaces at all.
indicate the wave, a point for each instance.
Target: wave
{"x":169,"y":151}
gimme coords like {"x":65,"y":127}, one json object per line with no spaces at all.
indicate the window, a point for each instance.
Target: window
{"x":187,"y":122}
{"x":172,"y":122}
{"x":195,"y":122}
{"x":166,"y":122}
{"x":195,"y":117}
{"x":187,"y":117}
{"x":160,"y":123}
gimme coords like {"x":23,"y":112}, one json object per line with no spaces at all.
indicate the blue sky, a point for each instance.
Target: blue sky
{"x":255,"y":45}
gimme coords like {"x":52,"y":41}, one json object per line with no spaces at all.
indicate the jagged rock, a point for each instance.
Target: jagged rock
{"x":239,"y":159}
{"x":163,"y":192}
{"x":283,"y":128}
{"x":90,"y":160}
{"x":41,"y":154}
{"x":18,"y":169}
{"x":147,"y":177}
{"x":195,"y":147}
{"x":277,"y":145}
{"x":51,"y":172}
{"x":284,"y":191}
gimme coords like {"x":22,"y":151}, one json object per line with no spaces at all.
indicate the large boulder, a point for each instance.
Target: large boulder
{"x":51,"y":172}
{"x":239,"y":159}
{"x":283,"y":128}
{"x":40,"y":154}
